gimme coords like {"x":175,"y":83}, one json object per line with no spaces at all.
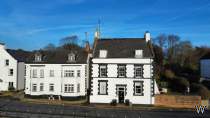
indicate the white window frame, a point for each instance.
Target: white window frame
{"x":78,"y":73}
{"x":69,"y":88}
{"x":52,"y":74}
{"x":78,"y":87}
{"x":51,"y":89}
{"x":7,"y":62}
{"x":102,"y":88}
{"x":41,"y":87}
{"x":68,"y":73}
{"x":138,"y":71}
{"x":140,"y":85}
{"x":34,"y":87}
{"x":138,"y":53}
{"x":34,"y":73}
{"x":103,"y":71}
{"x":121,"y":70}
{"x":11,"y":72}
{"x":41,"y":73}
{"x":103,"y":53}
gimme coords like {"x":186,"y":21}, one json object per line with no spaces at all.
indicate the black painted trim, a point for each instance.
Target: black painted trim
{"x":142,"y":82}
{"x":142,"y":70}
{"x":99,"y":70}
{"x":124,"y":85}
{"x":118,"y":70}
{"x":99,"y":87}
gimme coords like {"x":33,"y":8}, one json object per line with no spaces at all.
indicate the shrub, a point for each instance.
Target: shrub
{"x":179,"y":84}
{"x":200,"y":89}
{"x":11,"y":88}
{"x":206,"y":84}
{"x":169,"y":74}
{"x":127,"y":102}
{"x":114,"y":102}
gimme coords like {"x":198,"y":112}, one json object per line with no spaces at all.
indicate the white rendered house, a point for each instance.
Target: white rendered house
{"x":205,"y":67}
{"x":121,"y":69}
{"x":62,"y":74}
{"x":12,"y":69}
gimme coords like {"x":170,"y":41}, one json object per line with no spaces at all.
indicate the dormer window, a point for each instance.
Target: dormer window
{"x":71,"y":57}
{"x":103,"y":53}
{"x":138,"y":53}
{"x":38,"y":57}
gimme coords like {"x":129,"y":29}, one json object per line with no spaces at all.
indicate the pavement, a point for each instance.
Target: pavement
{"x":17,"y":109}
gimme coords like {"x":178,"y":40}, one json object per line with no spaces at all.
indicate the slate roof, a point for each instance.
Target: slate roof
{"x":122,"y":47}
{"x":19,"y":55}
{"x":207,"y":56}
{"x":59,"y":56}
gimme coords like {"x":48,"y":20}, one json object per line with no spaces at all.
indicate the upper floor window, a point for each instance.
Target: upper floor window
{"x":11,"y":72}
{"x":51,"y":87}
{"x":121,"y":70}
{"x":34,"y":73}
{"x":102,"y":70}
{"x":38,"y":57}
{"x":138,"y":88}
{"x":138,"y":71}
{"x":78,"y":73}
{"x":68,"y":73}
{"x":52,"y":73}
{"x":103,"y":53}
{"x":71,"y":57}
{"x":138,"y":53}
{"x":7,"y":62}
{"x":42,"y":73}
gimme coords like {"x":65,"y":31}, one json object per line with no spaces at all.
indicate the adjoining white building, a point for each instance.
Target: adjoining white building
{"x":205,"y":67}
{"x":61,"y":73}
{"x":122,"y":69}
{"x":12,"y":69}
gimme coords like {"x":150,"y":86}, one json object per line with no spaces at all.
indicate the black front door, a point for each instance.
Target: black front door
{"x":121,"y":96}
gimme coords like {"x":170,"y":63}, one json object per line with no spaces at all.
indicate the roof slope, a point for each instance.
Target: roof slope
{"x":59,"y":56}
{"x":122,"y":47}
{"x":19,"y":55}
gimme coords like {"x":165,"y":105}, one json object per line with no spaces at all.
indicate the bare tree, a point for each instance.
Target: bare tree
{"x":69,"y":40}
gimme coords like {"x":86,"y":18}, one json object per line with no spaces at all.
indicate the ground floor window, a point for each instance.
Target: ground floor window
{"x":51,"y":87}
{"x":69,"y":88}
{"x":102,"y":87}
{"x":34,"y":87}
{"x":138,"y":88}
{"x":41,"y":87}
{"x":78,"y":88}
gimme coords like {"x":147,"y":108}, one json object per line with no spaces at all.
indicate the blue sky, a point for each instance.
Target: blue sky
{"x":32,"y":24}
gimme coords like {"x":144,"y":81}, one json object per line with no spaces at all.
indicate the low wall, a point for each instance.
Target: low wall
{"x":177,"y":101}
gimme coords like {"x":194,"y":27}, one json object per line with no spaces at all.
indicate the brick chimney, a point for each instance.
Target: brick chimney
{"x":87,"y":46}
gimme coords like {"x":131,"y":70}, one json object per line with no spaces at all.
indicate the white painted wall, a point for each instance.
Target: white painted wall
{"x":129,"y":81}
{"x":4,"y":70}
{"x":205,"y":68}
{"x":58,"y":80}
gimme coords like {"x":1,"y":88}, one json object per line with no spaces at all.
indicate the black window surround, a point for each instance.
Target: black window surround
{"x":121,"y":70}
{"x":138,"y":71}
{"x":142,"y":88}
{"x":99,"y":81}
{"x":102,"y":70}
